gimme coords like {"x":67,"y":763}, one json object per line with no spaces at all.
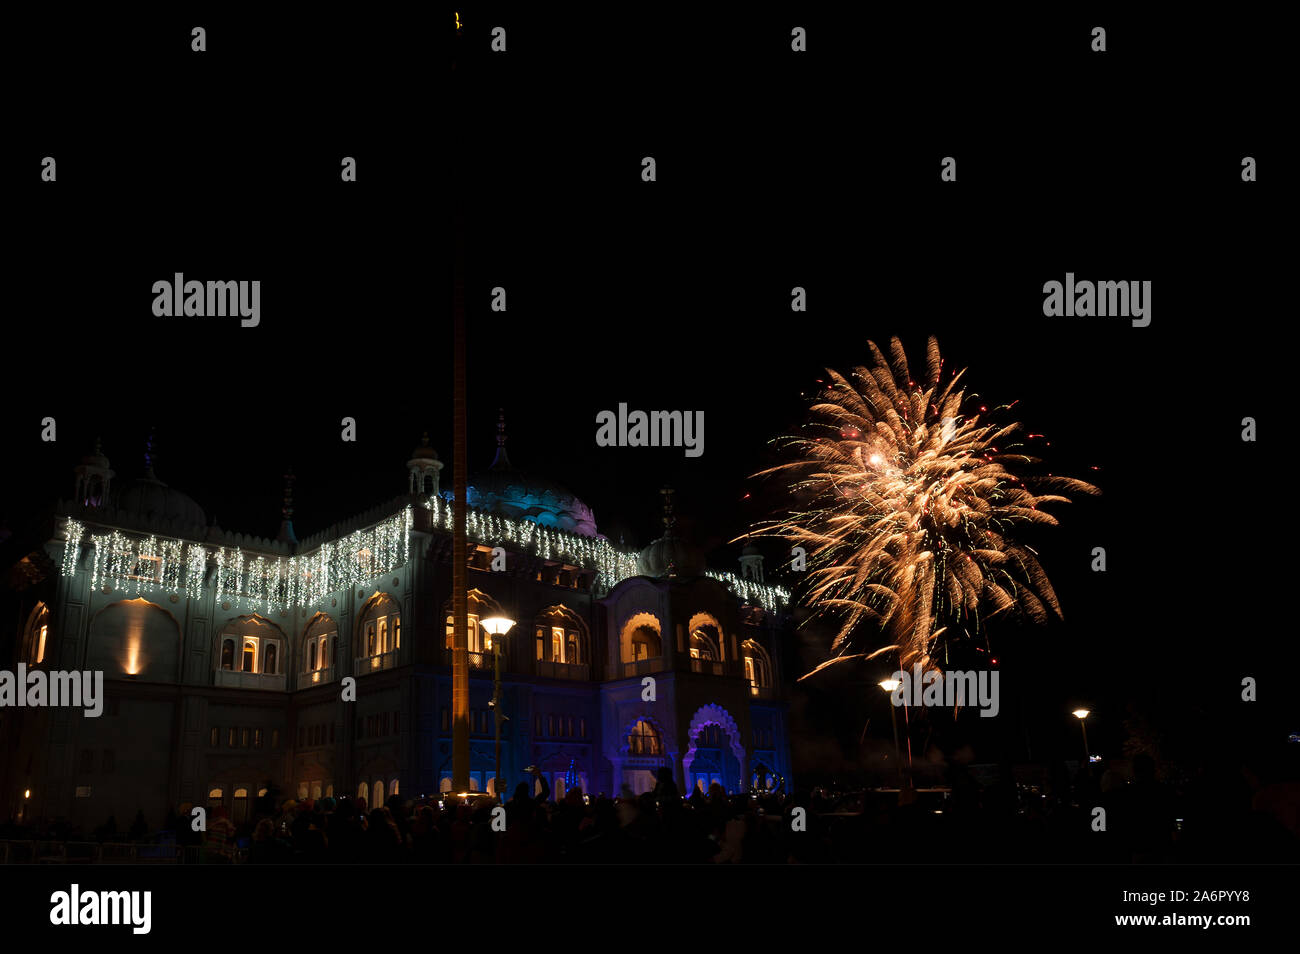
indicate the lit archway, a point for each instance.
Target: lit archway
{"x":758,"y":666}
{"x":560,"y":635}
{"x":36,"y":639}
{"x":641,"y":638}
{"x":644,"y":750}
{"x":707,"y":635}
{"x":320,"y":643}
{"x":714,"y":715}
{"x":379,"y":625}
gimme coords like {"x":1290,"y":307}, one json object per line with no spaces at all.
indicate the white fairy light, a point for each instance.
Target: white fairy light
{"x":72,"y":546}
{"x":287,"y":583}
{"x":612,"y":565}
{"x":196,"y":566}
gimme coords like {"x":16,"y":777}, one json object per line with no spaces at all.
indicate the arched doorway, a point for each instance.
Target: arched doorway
{"x":716,"y":753}
{"x":714,"y":760}
{"x":643,"y":754}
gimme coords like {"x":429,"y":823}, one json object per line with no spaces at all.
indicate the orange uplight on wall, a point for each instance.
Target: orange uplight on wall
{"x":134,"y":639}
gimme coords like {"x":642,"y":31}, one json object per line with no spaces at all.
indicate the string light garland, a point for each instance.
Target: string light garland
{"x":254,"y":581}
{"x":612,"y":565}
{"x":251,"y":580}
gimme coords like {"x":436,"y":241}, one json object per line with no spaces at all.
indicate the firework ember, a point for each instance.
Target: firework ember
{"x":907,"y":506}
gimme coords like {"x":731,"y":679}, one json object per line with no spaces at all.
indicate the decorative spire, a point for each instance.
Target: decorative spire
{"x":287,"y":510}
{"x":286,"y":534}
{"x":149,"y":456}
{"x":501,"y":461}
{"x":670,"y":521}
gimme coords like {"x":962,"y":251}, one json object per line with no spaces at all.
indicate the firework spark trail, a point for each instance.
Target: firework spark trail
{"x":907,"y":509}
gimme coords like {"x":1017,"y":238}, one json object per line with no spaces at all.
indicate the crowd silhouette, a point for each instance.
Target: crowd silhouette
{"x":1213,"y":817}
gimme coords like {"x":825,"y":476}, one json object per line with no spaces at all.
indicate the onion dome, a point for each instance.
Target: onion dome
{"x":151,"y":503}
{"x":154,"y":503}
{"x":504,"y":490}
{"x":424,"y":451}
{"x":670,"y":556}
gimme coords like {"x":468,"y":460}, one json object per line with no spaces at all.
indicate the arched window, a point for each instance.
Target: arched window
{"x":645,"y":643}
{"x":644,"y":740}
{"x":216,"y":798}
{"x":319,"y":644}
{"x":363,"y":791}
{"x":702,"y":647}
{"x":36,"y":639}
{"x":479,"y":641}
{"x":707,"y":641}
{"x":240,"y":813}
{"x":392,"y":787}
{"x":640,"y":639}
{"x":480,"y":606}
{"x":380,"y":623}
{"x":758,"y":668}
{"x":379,"y":793}
{"x":561,"y":636}
{"x":251,"y":644}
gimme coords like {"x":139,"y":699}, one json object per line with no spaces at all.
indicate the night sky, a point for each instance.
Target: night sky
{"x":772,"y":172}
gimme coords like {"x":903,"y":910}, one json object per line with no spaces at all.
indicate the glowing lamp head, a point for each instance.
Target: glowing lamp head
{"x":27,"y":793}
{"x":889,"y":685}
{"x":1081,"y":713}
{"x":497,"y":625}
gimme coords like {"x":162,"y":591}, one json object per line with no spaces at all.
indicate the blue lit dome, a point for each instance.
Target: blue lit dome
{"x":504,"y":490}
{"x":512,"y":494}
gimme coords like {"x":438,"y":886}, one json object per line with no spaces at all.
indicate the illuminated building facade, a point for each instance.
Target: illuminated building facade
{"x":321,"y":667}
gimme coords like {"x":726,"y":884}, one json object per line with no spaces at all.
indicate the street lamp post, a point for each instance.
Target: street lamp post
{"x":889,"y":685}
{"x":497,"y":626}
{"x":1081,"y":715}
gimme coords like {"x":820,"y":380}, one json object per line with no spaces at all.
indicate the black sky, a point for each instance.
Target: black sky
{"x":772,"y":172}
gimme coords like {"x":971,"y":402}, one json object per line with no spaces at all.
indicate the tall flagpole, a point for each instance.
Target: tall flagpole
{"x":459,"y":551}
{"x":459,"y":547}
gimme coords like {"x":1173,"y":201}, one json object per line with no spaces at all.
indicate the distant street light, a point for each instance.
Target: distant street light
{"x":1081,"y":715}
